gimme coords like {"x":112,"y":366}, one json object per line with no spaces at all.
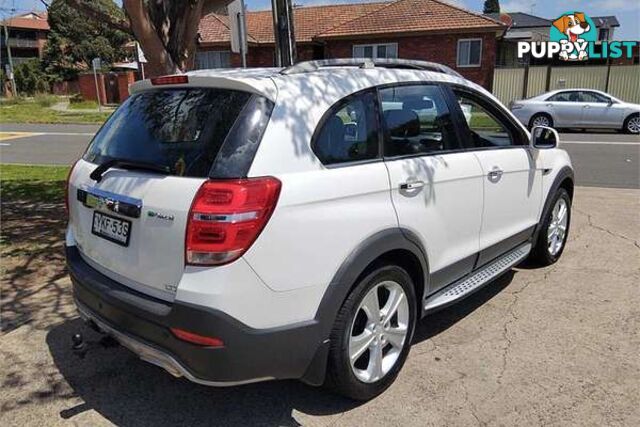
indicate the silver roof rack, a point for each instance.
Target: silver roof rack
{"x":409,"y":64}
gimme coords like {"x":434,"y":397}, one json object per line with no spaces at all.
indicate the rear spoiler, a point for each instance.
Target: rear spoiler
{"x":260,"y":86}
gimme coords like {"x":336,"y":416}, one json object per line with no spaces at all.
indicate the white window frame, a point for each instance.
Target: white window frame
{"x":479,"y":64}
{"x":375,"y":47}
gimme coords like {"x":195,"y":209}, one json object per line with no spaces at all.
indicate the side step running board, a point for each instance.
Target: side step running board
{"x":477,"y":279}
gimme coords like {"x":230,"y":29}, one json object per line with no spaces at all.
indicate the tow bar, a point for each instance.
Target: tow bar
{"x":81,"y":347}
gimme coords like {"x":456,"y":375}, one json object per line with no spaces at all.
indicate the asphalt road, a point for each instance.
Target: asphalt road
{"x":600,"y":160}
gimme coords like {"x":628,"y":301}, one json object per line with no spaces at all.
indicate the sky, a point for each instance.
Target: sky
{"x":627,"y":11}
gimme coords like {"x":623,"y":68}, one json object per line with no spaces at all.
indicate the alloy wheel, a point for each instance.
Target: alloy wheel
{"x":379,"y":331}
{"x":541,"y":121}
{"x":633,"y":125}
{"x":558,"y":227}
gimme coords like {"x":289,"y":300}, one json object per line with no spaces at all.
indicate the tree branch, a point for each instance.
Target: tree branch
{"x":146,"y":33}
{"x":98,"y":15}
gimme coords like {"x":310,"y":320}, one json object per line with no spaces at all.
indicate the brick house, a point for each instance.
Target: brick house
{"x":428,"y":30}
{"x":27,"y":37}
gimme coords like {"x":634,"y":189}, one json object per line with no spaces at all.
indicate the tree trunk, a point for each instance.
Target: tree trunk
{"x":167,"y":30}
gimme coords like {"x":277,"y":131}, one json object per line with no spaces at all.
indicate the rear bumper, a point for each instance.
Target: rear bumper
{"x":141,"y":323}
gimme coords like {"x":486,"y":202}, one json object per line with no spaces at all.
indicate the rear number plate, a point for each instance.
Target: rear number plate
{"x":109,"y":227}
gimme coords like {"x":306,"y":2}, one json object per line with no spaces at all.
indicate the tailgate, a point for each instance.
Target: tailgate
{"x":131,"y":225}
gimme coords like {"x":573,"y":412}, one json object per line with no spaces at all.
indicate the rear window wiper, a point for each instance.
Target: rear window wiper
{"x":97,"y":173}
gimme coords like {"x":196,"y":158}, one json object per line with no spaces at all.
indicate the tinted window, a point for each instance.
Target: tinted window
{"x":486,"y":127}
{"x":416,"y":120}
{"x":183,"y":129}
{"x":565,"y":97}
{"x":593,"y":97}
{"x":349,"y":133}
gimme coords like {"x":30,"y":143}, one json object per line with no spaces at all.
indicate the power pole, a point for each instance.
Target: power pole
{"x":10,"y":58}
{"x":283,"y":26}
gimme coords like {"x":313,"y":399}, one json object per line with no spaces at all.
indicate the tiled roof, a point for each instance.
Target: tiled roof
{"x":309,"y":21}
{"x":29,"y":21}
{"x":315,"y":22}
{"x":404,"y":16}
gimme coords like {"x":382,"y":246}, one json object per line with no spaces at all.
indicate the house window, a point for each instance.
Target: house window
{"x":375,"y":51}
{"x":213,"y":59}
{"x":469,"y":52}
{"x":603,"y":34}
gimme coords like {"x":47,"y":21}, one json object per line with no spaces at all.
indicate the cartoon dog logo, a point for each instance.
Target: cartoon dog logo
{"x":574,"y":26}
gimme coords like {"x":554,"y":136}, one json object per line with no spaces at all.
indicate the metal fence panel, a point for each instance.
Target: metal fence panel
{"x":508,"y":84}
{"x":591,"y":77}
{"x":624,"y":83}
{"x":537,"y":81}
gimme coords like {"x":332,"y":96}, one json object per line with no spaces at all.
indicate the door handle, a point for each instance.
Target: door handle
{"x":495,"y":175}
{"x":414,"y":185}
{"x":586,"y":107}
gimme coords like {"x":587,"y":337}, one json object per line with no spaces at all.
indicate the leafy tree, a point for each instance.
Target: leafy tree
{"x":30,"y":78}
{"x":75,"y":40}
{"x":167,"y":30}
{"x":491,"y":6}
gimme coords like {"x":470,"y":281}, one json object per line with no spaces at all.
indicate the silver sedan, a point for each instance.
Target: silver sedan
{"x":578,"y":108}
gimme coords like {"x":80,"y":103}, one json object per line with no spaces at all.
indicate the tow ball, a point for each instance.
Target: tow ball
{"x":81,"y":347}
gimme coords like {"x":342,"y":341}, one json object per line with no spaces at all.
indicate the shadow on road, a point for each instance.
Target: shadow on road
{"x":128,"y":392}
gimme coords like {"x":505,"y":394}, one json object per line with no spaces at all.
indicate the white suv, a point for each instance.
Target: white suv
{"x":244,"y":225}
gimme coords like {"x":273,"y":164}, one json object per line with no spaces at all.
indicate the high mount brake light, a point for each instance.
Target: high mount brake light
{"x":226,"y":217}
{"x":169,"y":80}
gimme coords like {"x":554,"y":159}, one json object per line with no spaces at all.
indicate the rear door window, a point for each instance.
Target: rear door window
{"x":416,"y":121}
{"x":181,"y":129}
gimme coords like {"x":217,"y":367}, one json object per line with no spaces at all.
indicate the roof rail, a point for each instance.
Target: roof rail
{"x":309,"y":66}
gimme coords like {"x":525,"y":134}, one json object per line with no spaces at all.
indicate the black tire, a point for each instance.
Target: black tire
{"x":340,"y":376}
{"x":537,"y":115}
{"x":540,"y":254}
{"x":625,"y":127}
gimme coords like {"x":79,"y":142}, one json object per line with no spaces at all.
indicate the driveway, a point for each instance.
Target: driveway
{"x":553,"y":346}
{"x":601,"y":160}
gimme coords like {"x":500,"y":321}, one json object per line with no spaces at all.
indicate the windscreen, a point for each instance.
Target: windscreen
{"x":180,"y":129}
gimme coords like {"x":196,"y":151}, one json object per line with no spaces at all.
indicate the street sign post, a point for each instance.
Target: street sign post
{"x":96,"y":64}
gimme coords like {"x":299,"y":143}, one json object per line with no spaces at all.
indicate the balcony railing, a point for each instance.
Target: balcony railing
{"x":15,"y":42}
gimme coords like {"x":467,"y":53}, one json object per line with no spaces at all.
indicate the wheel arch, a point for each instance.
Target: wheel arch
{"x":564,"y":179}
{"x":392,"y":246}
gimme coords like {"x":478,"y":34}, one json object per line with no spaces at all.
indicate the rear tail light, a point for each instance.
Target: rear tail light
{"x":226,"y":217}
{"x":170,"y":80}
{"x":66,"y":187}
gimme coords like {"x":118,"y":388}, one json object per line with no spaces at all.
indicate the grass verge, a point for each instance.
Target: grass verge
{"x":39,"y":112}
{"x":43,"y":184}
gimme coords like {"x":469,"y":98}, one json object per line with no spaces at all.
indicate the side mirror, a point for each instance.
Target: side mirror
{"x":543,"y":137}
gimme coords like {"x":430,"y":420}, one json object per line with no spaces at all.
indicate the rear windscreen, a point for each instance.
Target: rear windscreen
{"x":181,"y":129}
